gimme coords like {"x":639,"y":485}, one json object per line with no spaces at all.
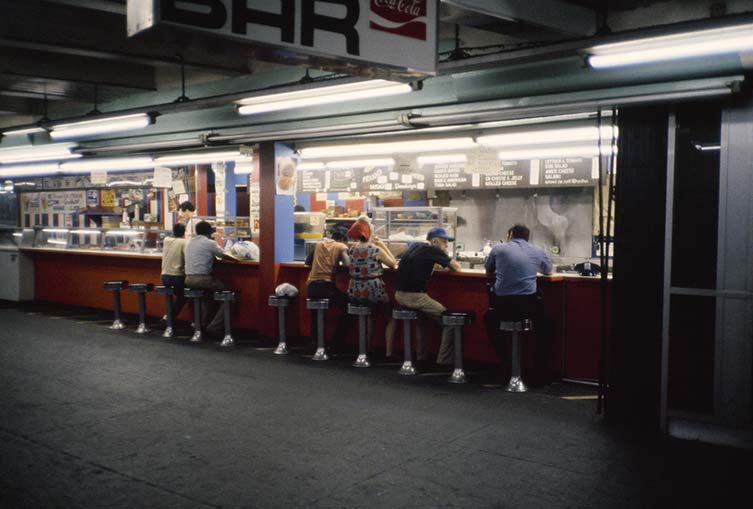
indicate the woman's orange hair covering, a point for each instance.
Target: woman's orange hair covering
{"x":361,"y":230}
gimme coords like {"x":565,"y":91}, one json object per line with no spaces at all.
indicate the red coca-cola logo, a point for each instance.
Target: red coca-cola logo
{"x":401,"y":17}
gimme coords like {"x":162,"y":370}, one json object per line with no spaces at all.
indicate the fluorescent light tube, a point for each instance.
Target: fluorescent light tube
{"x":32,"y":153}
{"x":395,"y":147}
{"x":23,"y":130}
{"x":244,"y":166}
{"x":198,"y":158}
{"x":441,"y":158}
{"x":121,"y":163}
{"x":313,"y":165}
{"x":55,"y":230}
{"x":320,"y":95}
{"x":361,"y":163}
{"x":28,"y":170}
{"x":86,"y":232}
{"x":100,"y":126}
{"x":701,"y":43}
{"x":548,"y":136}
{"x":554,"y":152}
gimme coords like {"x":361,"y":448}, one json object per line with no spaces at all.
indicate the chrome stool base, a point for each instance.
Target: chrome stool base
{"x":143,"y":329}
{"x":282,"y":349}
{"x":516,"y":385}
{"x":168,"y":334}
{"x":457,"y":377}
{"x":407,"y":368}
{"x":117,"y":325}
{"x":197,"y":337}
{"x":320,"y":355}
{"x":362,"y":362}
{"x":228,"y":341}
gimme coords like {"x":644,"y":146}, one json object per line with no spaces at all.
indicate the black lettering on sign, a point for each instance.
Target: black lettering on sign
{"x":311,"y":21}
{"x":285,"y":21}
{"x":214,"y":19}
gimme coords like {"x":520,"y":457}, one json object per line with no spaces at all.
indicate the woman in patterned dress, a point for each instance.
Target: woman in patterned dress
{"x":366,"y":283}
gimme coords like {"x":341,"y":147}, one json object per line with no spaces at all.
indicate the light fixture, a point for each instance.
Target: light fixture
{"x":707,"y":147}
{"x":396,"y":147}
{"x":101,"y":126}
{"x":320,"y":95}
{"x":29,"y":170}
{"x":549,"y":136}
{"x":198,"y":158}
{"x":514,"y":154}
{"x":30,"y":153}
{"x":361,"y":163}
{"x":313,"y":165}
{"x":23,"y":130}
{"x":441,"y":158}
{"x":108,"y":164}
{"x":700,"y":43}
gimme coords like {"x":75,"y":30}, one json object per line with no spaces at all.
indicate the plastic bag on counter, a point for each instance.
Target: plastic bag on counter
{"x":286,"y":290}
{"x":245,"y":249}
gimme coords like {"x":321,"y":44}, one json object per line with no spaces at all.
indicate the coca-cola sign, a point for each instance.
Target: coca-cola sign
{"x":401,"y":17}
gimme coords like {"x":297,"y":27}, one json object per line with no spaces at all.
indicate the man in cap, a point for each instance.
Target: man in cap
{"x":416,"y":267}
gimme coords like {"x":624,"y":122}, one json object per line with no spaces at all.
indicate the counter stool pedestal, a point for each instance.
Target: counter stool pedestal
{"x":363,"y":311}
{"x":196,"y":294}
{"x":226,"y":296}
{"x":516,"y":327}
{"x":115,"y":287}
{"x":281,"y":303}
{"x":140,"y":290}
{"x":319,"y":305}
{"x":406,"y":315}
{"x":458,"y":319}
{"x":168,"y":292}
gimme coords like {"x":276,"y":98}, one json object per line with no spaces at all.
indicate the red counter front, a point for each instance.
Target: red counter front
{"x":567,"y":343}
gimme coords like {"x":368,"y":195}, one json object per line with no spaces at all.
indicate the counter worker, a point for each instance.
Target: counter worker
{"x":201,"y":251}
{"x":186,"y":211}
{"x":514,"y":265}
{"x":320,"y":284}
{"x":174,"y":266}
{"x":416,"y":267}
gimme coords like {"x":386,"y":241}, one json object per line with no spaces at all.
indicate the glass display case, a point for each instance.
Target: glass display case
{"x":400,"y":226}
{"x":84,"y":238}
{"x":10,"y":237}
{"x":124,"y":239}
{"x":308,"y":228}
{"x":52,"y":238}
{"x":225,"y":228}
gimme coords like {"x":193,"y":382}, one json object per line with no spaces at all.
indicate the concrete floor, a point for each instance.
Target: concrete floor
{"x":91,"y":417}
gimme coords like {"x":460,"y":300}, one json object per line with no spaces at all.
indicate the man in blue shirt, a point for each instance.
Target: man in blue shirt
{"x":514,"y":265}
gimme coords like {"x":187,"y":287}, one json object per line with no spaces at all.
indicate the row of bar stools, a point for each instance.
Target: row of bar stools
{"x":362,"y":311}
{"x":406,"y":315}
{"x":319,"y":305}
{"x":458,"y":319}
{"x":516,"y":327}
{"x":140,"y":289}
{"x":168,"y":292}
{"x":280,"y":302}
{"x":226,"y":296}
{"x":115,"y":287}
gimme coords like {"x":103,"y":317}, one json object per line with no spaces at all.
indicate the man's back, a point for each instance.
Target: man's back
{"x":416,"y":265}
{"x":515,"y":264}
{"x":200,"y":254}
{"x":173,"y":256}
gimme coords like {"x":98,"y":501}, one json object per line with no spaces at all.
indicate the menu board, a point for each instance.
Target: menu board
{"x":311,"y":181}
{"x":510,"y":174}
{"x":452,"y":176}
{"x":343,"y":180}
{"x":569,"y":171}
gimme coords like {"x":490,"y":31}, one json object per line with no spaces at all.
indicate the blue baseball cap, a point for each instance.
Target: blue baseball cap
{"x":438,"y":232}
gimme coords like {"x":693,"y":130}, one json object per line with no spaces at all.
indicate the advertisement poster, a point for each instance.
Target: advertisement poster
{"x":285,"y":176}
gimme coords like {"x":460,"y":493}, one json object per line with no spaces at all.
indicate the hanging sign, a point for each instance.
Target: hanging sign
{"x":163,"y":177}
{"x":393,"y":34}
{"x":483,"y":161}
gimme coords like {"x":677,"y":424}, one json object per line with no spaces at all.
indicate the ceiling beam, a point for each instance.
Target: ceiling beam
{"x":23,"y":62}
{"x":69,"y":30}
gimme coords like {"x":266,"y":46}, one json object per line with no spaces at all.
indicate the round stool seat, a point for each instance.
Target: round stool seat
{"x":116,"y":285}
{"x":140,"y":287}
{"x":194,"y":293}
{"x":516,"y":325}
{"x":457,"y":317}
{"x":404,"y":314}
{"x":279,"y":301}
{"x":225,"y":295}
{"x":317,"y":303}
{"x":164,"y":290}
{"x":359,"y":309}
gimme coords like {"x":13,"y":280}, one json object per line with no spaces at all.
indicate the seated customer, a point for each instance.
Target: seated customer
{"x":514,"y":265}
{"x":416,"y":267}
{"x":366,"y":283}
{"x":320,"y":284}
{"x":174,"y":266}
{"x":201,"y":252}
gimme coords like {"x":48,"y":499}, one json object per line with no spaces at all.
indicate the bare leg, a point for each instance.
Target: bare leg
{"x":389,"y":336}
